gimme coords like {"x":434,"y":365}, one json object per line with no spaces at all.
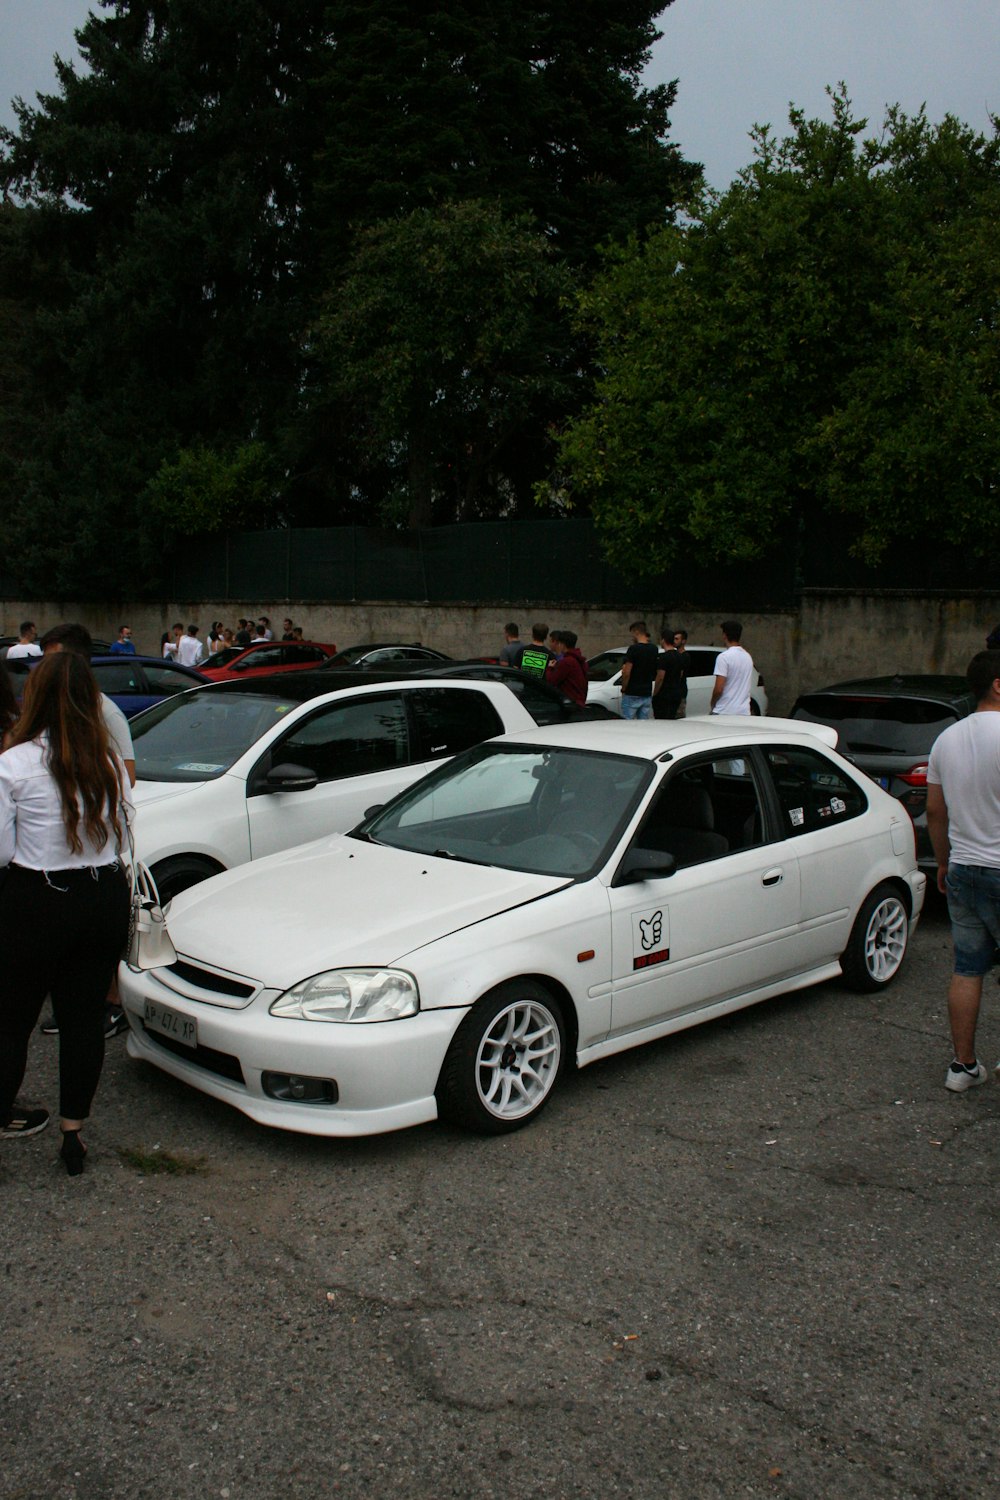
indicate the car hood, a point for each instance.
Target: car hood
{"x":156,"y":791}
{"x":338,"y":901}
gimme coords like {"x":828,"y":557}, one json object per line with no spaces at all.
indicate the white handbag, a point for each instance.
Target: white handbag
{"x":149,"y":945}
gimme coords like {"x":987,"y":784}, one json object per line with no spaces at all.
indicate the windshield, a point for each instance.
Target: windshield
{"x":544,"y":810}
{"x":602,"y":668}
{"x":871,"y":725}
{"x":199,"y":735}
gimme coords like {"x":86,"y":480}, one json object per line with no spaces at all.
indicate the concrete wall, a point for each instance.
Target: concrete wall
{"x":831,"y":636}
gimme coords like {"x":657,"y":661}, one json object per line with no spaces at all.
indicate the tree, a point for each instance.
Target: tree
{"x":537,"y":111}
{"x":447,"y":342}
{"x":187,"y":202}
{"x":822,"y":336}
{"x":537,"y":108}
{"x":167,"y":183}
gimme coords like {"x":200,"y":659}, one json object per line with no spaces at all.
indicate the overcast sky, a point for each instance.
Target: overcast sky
{"x":739,"y":62}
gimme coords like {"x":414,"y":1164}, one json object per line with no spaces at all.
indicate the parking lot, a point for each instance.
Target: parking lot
{"x":757,"y":1258}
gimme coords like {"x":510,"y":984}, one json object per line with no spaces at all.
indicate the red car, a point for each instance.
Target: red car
{"x":271,"y":656}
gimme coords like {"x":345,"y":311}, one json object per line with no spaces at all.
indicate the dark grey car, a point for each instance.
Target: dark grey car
{"x":887,"y":726}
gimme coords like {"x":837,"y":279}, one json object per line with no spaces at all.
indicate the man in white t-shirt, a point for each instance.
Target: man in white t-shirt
{"x":26,"y":645}
{"x":190,"y":651}
{"x":963,"y":820}
{"x":733,"y":673}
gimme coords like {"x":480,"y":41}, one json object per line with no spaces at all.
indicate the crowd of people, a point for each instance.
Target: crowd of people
{"x":183,"y":643}
{"x":654,"y":678}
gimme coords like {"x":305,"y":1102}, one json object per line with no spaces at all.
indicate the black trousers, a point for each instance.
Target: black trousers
{"x":61,"y":934}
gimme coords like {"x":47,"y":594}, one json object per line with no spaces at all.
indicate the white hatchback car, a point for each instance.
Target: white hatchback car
{"x":544,"y":899}
{"x":235,"y":770}
{"x":605,"y":685}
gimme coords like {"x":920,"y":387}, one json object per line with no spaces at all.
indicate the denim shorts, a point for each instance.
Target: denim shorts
{"x":974,"y":909}
{"x":634,"y":707}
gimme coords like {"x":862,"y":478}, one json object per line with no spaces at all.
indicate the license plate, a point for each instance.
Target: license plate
{"x":160,"y":1018}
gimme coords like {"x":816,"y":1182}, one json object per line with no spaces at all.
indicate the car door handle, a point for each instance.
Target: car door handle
{"x":772,"y":877}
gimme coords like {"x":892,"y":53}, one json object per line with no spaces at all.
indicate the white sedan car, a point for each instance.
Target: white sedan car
{"x":605,"y":685}
{"x":236,"y":770}
{"x":543,"y":900}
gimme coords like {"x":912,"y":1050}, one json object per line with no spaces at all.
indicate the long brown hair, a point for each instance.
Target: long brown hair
{"x":61,"y":699}
{"x":8,"y":703}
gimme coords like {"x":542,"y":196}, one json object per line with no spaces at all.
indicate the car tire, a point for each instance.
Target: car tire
{"x":484,"y":1085}
{"x":874,"y":955}
{"x":180,"y":872}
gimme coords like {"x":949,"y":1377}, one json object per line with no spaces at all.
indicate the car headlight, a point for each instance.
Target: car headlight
{"x":351,"y":995}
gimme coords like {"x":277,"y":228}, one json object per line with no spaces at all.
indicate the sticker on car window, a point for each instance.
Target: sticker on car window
{"x":650,"y":938}
{"x":837,"y":805}
{"x":796,"y":816}
{"x":201,"y":765}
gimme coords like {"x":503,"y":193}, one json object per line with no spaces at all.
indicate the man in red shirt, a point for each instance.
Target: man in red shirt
{"x":568,"y":670}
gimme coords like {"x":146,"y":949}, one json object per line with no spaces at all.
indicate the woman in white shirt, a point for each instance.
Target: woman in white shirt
{"x":64,"y":900}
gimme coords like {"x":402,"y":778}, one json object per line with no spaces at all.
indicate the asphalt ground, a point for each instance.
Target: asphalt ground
{"x":758,"y":1258}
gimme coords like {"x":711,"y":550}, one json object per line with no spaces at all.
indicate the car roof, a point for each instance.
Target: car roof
{"x":262,"y":645}
{"x":301,"y":686}
{"x":942,"y":688}
{"x":656,"y":739}
{"x":386,"y":645}
{"x":653,"y":641}
{"x":146,"y":661}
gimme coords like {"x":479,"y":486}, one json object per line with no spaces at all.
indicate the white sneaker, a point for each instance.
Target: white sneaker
{"x":961,"y":1076}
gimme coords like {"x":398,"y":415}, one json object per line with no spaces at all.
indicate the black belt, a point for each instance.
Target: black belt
{"x":94,"y":872}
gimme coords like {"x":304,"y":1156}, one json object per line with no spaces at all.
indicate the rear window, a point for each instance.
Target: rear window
{"x":871,"y":725}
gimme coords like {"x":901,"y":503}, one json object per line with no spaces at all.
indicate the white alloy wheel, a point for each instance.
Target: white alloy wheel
{"x":877,"y":947}
{"x":518,"y":1060}
{"x":504,"y":1060}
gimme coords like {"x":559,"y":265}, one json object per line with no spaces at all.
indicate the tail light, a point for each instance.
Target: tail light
{"x":916,"y":775}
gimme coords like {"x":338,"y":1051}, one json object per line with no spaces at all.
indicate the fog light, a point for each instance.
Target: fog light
{"x":297,"y":1087}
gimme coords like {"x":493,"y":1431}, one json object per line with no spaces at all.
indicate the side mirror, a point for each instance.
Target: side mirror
{"x":370,"y":812}
{"x":644,"y":864}
{"x":290,"y":778}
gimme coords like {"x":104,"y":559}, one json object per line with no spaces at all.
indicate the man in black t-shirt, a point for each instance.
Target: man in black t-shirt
{"x":640,"y":674}
{"x":668,"y":697}
{"x":534,"y":659}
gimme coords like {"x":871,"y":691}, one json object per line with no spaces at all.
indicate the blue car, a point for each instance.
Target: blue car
{"x":137,"y":682}
{"x":133,"y":682}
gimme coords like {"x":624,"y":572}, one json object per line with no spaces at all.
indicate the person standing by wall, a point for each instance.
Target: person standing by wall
{"x":64,"y":802}
{"x":639,"y":674}
{"x":169,"y":641}
{"x":567,"y":670}
{"x":190,"y":651}
{"x":733,"y":673}
{"x":124,"y":645}
{"x":669,"y":695}
{"x":963,"y":820}
{"x":512,"y":647}
{"x":26,"y":644}
{"x":534,"y":658}
{"x":680,"y":641}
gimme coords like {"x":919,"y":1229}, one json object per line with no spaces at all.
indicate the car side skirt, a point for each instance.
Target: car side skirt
{"x":623,"y":1041}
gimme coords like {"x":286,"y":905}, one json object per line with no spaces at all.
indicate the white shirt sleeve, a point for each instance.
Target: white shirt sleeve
{"x":119,"y":733}
{"x":8,"y":815}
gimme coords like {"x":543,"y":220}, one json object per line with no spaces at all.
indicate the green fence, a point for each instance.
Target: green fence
{"x":485,"y":562}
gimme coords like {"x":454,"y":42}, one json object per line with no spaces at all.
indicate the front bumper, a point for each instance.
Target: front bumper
{"x":385,"y":1073}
